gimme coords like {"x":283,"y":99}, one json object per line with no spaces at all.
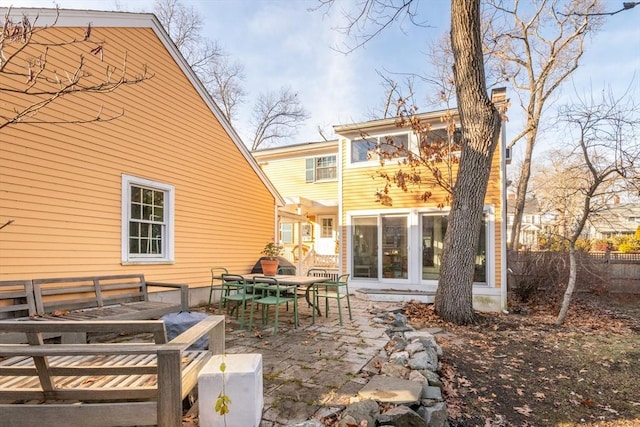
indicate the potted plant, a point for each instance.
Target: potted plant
{"x":269,"y":262}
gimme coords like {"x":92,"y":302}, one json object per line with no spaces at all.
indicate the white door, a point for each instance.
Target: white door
{"x":326,"y":235}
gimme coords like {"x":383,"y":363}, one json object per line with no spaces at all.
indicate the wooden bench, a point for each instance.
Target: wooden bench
{"x":101,"y":384}
{"x":114,"y":297}
{"x":16,"y":302}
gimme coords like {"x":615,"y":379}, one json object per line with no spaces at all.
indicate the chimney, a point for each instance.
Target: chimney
{"x":498,"y":95}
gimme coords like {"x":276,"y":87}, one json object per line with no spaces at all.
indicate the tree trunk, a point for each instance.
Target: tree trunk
{"x":568,"y":293}
{"x":480,"y":129}
{"x":521,"y":195}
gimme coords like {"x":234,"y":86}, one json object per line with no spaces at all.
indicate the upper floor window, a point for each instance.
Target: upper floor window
{"x":321,"y":168}
{"x":147,"y":221}
{"x":364,"y":150}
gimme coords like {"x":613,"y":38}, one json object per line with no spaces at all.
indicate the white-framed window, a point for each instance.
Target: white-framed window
{"x":321,"y":169}
{"x":408,"y":244}
{"x":368,"y":149}
{"x":147,"y":221}
{"x":286,"y":232}
{"x":326,"y":228}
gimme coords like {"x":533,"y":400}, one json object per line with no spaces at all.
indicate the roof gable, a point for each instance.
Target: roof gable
{"x":102,"y":19}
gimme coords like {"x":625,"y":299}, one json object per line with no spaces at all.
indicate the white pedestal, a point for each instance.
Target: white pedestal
{"x":243,"y":385}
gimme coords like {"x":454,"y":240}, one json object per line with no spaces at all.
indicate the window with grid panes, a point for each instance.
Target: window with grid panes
{"x":321,"y":168}
{"x":147,"y":220}
{"x":364,"y":150}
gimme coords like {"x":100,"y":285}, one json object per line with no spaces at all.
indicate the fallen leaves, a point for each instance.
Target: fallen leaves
{"x":524,"y":362}
{"x":524,"y":410}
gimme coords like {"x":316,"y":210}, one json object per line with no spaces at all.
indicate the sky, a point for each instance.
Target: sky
{"x":286,"y":43}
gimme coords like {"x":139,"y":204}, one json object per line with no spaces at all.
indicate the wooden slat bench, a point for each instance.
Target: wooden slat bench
{"x":115,"y":297}
{"x":101,"y":384}
{"x":16,"y":302}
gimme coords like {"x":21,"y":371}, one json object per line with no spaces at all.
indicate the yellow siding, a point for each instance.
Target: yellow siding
{"x":61,"y":183}
{"x":359,"y":186}
{"x":288,"y":176}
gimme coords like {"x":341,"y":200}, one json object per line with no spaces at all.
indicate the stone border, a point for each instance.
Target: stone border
{"x":405,"y":374}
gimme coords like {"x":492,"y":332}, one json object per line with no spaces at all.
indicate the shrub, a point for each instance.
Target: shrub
{"x":629,"y":246}
{"x":583,"y":245}
{"x":600,"y":245}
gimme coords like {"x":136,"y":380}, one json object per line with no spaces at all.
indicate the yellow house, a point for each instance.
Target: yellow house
{"x":391,"y":252}
{"x":306,"y":175}
{"x":167,"y":189}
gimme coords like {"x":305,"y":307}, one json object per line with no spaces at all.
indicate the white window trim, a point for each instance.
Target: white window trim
{"x":411,"y":145}
{"x":126,"y":258}
{"x":413,"y":222}
{"x":315,"y":169}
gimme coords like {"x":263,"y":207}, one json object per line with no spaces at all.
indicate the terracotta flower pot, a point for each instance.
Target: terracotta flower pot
{"x":269,"y":266}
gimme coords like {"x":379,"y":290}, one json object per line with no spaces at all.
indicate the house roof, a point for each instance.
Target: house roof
{"x":623,"y":218}
{"x":498,"y":96}
{"x":80,"y":18}
{"x":356,"y":129}
{"x":531,"y":206}
{"x":302,"y":150}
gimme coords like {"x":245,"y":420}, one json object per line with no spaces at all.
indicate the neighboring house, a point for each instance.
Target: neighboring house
{"x":532,"y":222}
{"x":391,"y":252}
{"x":167,"y":190}
{"x":620,"y":219}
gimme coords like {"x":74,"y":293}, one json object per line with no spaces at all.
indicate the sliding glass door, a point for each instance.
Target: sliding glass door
{"x":433,"y":229}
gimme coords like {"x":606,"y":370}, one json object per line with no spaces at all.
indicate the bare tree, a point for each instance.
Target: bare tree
{"x":32,"y":83}
{"x":221,"y":77}
{"x":481,"y":124}
{"x":276,"y":116}
{"x":536,"y":50}
{"x":226,"y":86}
{"x":184,"y":26}
{"x":582,"y":179}
{"x":371,"y":17}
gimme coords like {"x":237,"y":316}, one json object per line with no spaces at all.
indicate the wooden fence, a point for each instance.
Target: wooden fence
{"x":608,"y":271}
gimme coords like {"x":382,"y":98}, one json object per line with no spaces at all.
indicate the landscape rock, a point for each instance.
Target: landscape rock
{"x":435,"y":416}
{"x":433,"y":393}
{"x":391,"y":390}
{"x":427,"y":359}
{"x":432,"y":378}
{"x":308,"y":423}
{"x":414,"y":347}
{"x":393,"y":370}
{"x":357,"y":412}
{"x":399,"y":320}
{"x":399,"y":358}
{"x":401,"y":416}
{"x":418,"y":377}
{"x":426,"y":338}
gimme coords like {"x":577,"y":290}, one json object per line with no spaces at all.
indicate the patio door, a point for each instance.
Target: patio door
{"x":326,"y":238}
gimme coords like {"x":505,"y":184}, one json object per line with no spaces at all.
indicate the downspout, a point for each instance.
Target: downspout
{"x":503,"y":220}
{"x":299,"y":266}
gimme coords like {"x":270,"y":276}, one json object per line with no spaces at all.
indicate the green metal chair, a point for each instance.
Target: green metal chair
{"x":332,"y":289}
{"x":269,"y":292}
{"x":317,"y":272}
{"x":216,"y":279}
{"x":236,"y":289}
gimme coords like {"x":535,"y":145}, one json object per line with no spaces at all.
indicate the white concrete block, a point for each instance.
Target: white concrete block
{"x":243,"y":385}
